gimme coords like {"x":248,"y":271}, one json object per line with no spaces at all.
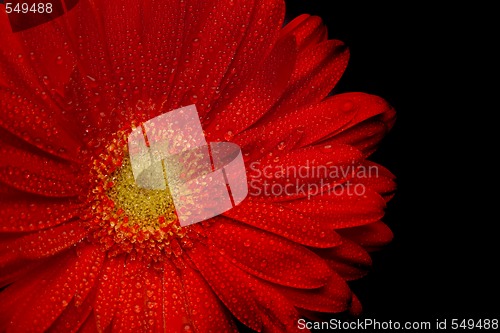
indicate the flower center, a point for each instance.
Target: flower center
{"x":148,"y":209}
{"x":126,"y":218}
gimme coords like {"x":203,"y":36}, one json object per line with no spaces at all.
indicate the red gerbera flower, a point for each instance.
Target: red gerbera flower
{"x":84,"y":249}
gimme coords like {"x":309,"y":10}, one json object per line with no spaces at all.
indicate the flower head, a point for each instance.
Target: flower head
{"x":83,"y":247}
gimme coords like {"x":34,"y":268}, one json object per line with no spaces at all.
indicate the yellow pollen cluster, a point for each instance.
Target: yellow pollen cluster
{"x":144,"y":207}
{"x":125,"y":217}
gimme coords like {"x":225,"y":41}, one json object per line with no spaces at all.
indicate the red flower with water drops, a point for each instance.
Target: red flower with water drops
{"x":83,"y":248}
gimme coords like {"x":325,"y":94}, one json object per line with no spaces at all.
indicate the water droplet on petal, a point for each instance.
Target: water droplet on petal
{"x":347,"y":106}
{"x":186,"y":328}
{"x":229,"y":135}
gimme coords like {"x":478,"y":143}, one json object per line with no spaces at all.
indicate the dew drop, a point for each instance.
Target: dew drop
{"x":347,"y":106}
{"x":327,"y":148}
{"x":229,"y":135}
{"x":186,"y":328}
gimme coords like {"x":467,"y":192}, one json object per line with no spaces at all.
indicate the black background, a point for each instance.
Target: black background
{"x":442,"y":262}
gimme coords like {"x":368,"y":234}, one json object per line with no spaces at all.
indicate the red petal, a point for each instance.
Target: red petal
{"x":90,"y":275}
{"x":53,"y":295}
{"x":374,"y":118}
{"x":368,"y":106}
{"x":176,"y":313}
{"x":349,"y":260}
{"x":364,"y":137}
{"x":9,"y":193}
{"x":356,"y":309}
{"x":130,"y":314}
{"x":89,"y":326}
{"x":317,"y":71}
{"x":108,"y":289}
{"x":260,"y":92}
{"x":96,"y":94}
{"x":95,"y":111}
{"x":8,"y":139}
{"x":122,"y":45}
{"x":49,"y":63}
{"x":153,"y":299}
{"x":50,"y":241}
{"x":267,"y":138}
{"x":164,"y":50}
{"x":214,"y":35}
{"x":294,"y":23}
{"x":179,"y":299}
{"x":285,"y":222}
{"x":259,"y":141}
{"x":18,"y":294}
{"x":206,"y":46}
{"x":316,"y":121}
{"x":17,"y":270}
{"x":371,"y":236}
{"x":260,"y":35}
{"x":255,"y":304}
{"x":207,"y":312}
{"x":36,"y":174}
{"x":35,"y":214}
{"x":307,"y":30}
{"x":236,"y":295}
{"x":342,"y":208}
{"x":268,"y":256}
{"x":382,"y":181}
{"x":334,"y":297}
{"x":8,"y":249}
{"x":27,"y":116}
{"x":73,"y":317}
{"x":39,"y":244}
